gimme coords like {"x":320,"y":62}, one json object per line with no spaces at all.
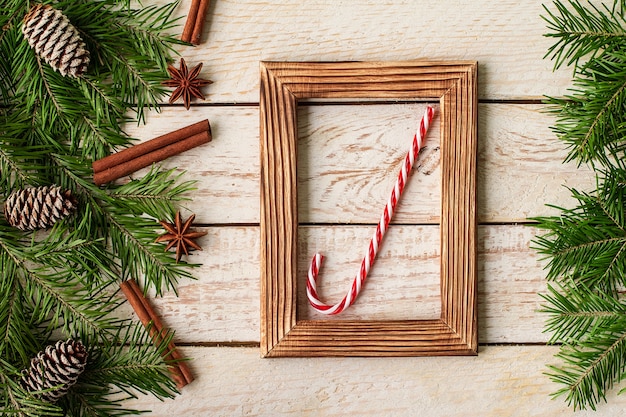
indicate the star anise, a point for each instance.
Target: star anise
{"x":186,"y":82}
{"x":180,"y":235}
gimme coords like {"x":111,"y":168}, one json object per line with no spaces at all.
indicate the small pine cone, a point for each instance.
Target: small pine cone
{"x":52,"y":36}
{"x":38,"y":208}
{"x":55,"y":369}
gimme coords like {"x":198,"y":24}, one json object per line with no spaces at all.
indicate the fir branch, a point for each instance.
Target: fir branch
{"x":105,"y":106}
{"x":94,"y":140}
{"x":140,"y":256}
{"x":16,"y":327}
{"x":585,"y":244}
{"x":591,"y":368}
{"x":588,"y":120}
{"x":129,"y":366}
{"x":42,"y":90}
{"x":582,"y":32}
{"x":131,"y":56}
{"x":20,"y":165}
{"x":136,"y":58}
{"x":51,"y":127}
{"x":94,"y":401}
{"x":154,"y":194}
{"x":56,"y":300}
{"x":132,"y":363}
{"x":148,"y":26}
{"x":578,"y":314}
{"x":132,"y":237}
{"x":16,"y":401}
{"x":62,"y":250}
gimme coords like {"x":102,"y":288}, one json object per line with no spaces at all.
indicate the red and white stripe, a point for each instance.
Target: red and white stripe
{"x":376,"y":240}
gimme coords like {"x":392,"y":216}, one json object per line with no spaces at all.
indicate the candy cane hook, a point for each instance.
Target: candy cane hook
{"x":381,"y":228}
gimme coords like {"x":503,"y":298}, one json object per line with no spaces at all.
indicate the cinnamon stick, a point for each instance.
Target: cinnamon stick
{"x":191,"y":21}
{"x":132,"y":165}
{"x":172,"y":352}
{"x":149,"y":146}
{"x":196,"y":37}
{"x":180,"y":371}
{"x":146,"y":320}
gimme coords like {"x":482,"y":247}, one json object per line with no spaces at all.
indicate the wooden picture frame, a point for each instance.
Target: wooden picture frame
{"x":453,"y":85}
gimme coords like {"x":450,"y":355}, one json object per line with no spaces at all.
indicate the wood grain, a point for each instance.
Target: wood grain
{"x":279,"y":210}
{"x":403,"y":284}
{"x":346,"y":169}
{"x":502,"y":381}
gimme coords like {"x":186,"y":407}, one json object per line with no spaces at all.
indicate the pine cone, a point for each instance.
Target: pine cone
{"x":52,"y":36}
{"x":55,"y":369}
{"x":38,"y":208}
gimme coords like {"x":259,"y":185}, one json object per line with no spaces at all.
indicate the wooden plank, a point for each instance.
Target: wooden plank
{"x":343,"y":178}
{"x":500,"y":381}
{"x":240,"y":34}
{"x":222,"y":305}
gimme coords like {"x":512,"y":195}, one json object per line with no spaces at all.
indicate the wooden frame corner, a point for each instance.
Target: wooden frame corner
{"x":453,"y":84}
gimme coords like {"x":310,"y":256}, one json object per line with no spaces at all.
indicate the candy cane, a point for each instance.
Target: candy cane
{"x":368,"y":260}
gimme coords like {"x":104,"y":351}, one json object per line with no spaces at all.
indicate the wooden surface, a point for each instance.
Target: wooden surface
{"x":519,"y":169}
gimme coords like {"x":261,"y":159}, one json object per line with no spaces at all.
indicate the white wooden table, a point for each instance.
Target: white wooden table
{"x":520,"y":168}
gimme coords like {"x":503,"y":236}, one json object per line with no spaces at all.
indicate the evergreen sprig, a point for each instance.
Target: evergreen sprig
{"x":585,"y":246}
{"x":63,"y":282}
{"x":592,"y":328}
{"x":579,"y":314}
{"x":589,"y":118}
{"x":582,"y":32}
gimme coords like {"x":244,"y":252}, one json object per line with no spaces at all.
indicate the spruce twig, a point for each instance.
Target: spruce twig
{"x":585,"y":246}
{"x":580,"y":315}
{"x":582,"y":32}
{"x":592,"y":328}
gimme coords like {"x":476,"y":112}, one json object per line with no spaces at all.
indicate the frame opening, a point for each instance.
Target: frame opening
{"x":348,"y":160}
